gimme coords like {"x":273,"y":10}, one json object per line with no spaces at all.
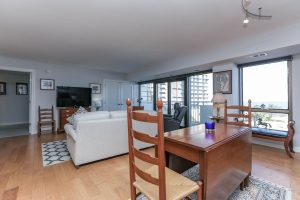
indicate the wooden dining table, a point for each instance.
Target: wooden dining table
{"x":224,"y":156}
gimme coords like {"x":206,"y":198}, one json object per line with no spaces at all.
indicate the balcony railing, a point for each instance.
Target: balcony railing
{"x":200,"y":111}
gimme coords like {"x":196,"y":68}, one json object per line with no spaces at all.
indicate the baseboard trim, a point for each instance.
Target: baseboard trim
{"x":297,"y":149}
{"x":278,"y":145}
{"x":13,"y":123}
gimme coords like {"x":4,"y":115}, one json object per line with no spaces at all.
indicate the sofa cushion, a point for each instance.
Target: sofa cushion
{"x":90,"y":116}
{"x":118,"y":114}
{"x":270,"y":132}
{"x":80,"y":111}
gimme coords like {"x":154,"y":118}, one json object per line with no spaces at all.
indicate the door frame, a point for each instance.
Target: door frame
{"x":32,"y":95}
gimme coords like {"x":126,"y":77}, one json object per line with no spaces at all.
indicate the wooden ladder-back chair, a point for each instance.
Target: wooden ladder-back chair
{"x":46,"y":120}
{"x":157,"y":182}
{"x":243,"y":112}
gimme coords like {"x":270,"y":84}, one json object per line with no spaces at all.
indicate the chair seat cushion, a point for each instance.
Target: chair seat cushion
{"x":270,"y":132}
{"x":177,"y":186}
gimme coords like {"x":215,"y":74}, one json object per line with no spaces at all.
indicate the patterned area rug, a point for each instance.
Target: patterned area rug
{"x":55,"y":152}
{"x":259,"y":189}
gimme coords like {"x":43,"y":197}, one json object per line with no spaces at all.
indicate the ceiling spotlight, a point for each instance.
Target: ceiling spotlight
{"x":251,"y":14}
{"x":246,"y":20}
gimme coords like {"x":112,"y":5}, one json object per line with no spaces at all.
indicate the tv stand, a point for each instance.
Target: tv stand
{"x":64,"y":113}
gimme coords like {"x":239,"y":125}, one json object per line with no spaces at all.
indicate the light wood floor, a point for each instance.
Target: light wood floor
{"x":22,"y":175}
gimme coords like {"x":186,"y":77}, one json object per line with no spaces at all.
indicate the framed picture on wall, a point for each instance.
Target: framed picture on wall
{"x":222,"y":82}
{"x":47,"y":84}
{"x":96,"y":88}
{"x":2,"y":88}
{"x":22,"y":88}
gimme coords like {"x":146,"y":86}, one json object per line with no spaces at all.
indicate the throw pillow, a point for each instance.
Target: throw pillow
{"x":80,"y":110}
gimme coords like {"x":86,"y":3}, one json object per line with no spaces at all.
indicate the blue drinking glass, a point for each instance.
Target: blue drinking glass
{"x":210,"y":126}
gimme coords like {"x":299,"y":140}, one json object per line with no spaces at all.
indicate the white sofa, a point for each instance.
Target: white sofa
{"x":102,"y":134}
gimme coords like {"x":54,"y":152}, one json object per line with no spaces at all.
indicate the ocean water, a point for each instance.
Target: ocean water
{"x":269,"y":104}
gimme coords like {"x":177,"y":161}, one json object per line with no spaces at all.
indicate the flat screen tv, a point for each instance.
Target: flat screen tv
{"x":73,"y":96}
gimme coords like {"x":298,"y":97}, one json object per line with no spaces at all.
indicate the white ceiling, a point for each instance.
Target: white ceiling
{"x":127,"y":35}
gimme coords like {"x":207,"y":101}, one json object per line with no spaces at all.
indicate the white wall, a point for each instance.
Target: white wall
{"x":64,"y":75}
{"x":14,"y":109}
{"x":232,"y":99}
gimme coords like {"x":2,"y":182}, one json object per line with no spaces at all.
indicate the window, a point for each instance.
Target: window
{"x":201,"y":93}
{"x":177,"y":94}
{"x":192,"y":90}
{"x":146,"y":93}
{"x":162,"y":92}
{"x":267,"y":85}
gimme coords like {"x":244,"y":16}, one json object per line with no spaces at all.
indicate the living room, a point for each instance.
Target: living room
{"x":190,"y":55}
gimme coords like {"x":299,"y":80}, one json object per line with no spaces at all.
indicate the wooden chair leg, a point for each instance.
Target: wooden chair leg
{"x":286,"y":147}
{"x":133,"y":192}
{"x":53,"y":128}
{"x":200,"y":191}
{"x":39,"y":130}
{"x":291,"y":146}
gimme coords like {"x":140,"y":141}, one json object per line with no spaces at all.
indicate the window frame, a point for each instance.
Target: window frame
{"x":183,"y":77}
{"x":289,"y":110}
{"x":140,"y":91}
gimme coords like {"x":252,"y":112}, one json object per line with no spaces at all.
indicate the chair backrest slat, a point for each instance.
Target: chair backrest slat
{"x":147,"y":177}
{"x":45,"y":116}
{"x":144,"y":117}
{"x":145,"y":157}
{"x":46,"y":113}
{"x":237,"y":123}
{"x":238,"y":107}
{"x":237,"y":115}
{"x":158,"y":140}
{"x":243,"y":112}
{"x":144,"y":137}
{"x":46,"y":110}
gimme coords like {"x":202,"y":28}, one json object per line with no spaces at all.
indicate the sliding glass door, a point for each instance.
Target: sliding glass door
{"x":162,"y":92}
{"x":193,"y":90}
{"x":146,"y":95}
{"x":171,"y":92}
{"x":177,"y":94}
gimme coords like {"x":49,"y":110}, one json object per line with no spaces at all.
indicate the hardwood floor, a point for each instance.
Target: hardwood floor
{"x":22,"y":175}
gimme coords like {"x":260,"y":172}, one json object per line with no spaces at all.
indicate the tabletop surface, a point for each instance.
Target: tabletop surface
{"x":196,"y":136}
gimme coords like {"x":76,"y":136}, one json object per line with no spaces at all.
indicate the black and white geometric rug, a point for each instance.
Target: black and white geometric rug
{"x":259,"y":189}
{"x":55,"y":152}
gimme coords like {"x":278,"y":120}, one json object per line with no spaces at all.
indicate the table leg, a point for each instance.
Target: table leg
{"x":242,"y":185}
{"x":201,"y":175}
{"x":246,"y":181}
{"x":167,"y":158}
